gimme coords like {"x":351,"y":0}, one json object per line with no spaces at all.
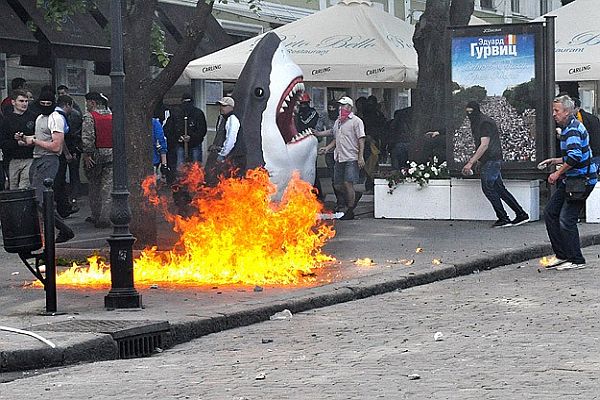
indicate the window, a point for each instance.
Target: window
{"x":487,"y":4}
{"x":515,"y":6}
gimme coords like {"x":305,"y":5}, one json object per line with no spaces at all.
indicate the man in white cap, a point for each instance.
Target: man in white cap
{"x":349,"y":146}
{"x":227,"y":147}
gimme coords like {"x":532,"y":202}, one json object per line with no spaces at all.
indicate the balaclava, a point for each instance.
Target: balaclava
{"x":476,"y":110}
{"x":332,"y":112}
{"x":46,"y":96}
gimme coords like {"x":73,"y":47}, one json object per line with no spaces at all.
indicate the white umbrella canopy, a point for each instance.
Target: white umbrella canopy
{"x":349,"y":42}
{"x":577,"y":39}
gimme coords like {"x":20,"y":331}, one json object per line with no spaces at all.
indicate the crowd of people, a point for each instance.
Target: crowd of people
{"x":40,"y":138}
{"x":178,"y":134}
{"x":49,"y":136}
{"x":517,"y":132}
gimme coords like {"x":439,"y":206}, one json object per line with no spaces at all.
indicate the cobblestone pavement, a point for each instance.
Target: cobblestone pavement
{"x":516,"y":332}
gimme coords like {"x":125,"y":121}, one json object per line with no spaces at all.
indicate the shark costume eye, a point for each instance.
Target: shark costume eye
{"x":259,"y":92}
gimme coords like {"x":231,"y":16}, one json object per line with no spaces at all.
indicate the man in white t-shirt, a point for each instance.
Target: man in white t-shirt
{"x":349,"y":147}
{"x":50,"y":129}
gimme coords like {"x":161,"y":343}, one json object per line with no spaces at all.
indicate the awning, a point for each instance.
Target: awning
{"x":14,"y":35}
{"x":577,"y":44}
{"x":83,"y":37}
{"x":80,"y":37}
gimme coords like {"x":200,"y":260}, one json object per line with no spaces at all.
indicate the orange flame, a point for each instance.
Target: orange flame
{"x":237,"y":235}
{"x":546,"y":261}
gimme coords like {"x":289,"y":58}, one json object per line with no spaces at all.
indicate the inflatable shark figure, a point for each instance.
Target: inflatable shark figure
{"x":265,"y":96}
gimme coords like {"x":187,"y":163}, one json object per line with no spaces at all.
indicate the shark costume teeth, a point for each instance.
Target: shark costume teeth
{"x":297,"y":89}
{"x":302,"y":135}
{"x":266,"y":96}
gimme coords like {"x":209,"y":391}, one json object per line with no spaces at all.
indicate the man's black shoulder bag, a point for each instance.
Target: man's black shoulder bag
{"x":575,"y":186}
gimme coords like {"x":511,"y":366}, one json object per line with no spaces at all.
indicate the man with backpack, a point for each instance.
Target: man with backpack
{"x":51,"y":126}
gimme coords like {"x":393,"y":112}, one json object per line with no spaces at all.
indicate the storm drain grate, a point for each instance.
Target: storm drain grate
{"x":134,"y":338}
{"x":139,"y":346}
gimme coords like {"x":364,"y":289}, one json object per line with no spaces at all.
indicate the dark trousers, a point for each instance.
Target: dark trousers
{"x":561,"y":217}
{"x":495,"y":191}
{"x":61,"y":189}
{"x":41,"y":169}
{"x":399,"y":155}
{"x":74,"y":178}
{"x":339,"y":197}
{"x":4,"y":174}
{"x":172,"y":164}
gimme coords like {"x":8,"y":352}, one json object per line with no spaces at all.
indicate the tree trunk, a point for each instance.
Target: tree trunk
{"x":430,"y":40}
{"x":142,"y":94}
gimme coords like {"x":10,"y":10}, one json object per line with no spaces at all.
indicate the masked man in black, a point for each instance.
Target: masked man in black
{"x":489,"y":153}
{"x":307,"y":118}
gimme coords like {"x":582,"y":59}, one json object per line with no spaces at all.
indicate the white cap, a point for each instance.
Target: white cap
{"x":346,"y":100}
{"x":227,"y":101}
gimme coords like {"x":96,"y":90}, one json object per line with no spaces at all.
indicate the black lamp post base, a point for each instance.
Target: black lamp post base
{"x":122,"y":298}
{"x":122,"y":293}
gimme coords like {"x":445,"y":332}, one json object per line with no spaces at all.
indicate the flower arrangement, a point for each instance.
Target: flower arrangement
{"x":418,"y":173}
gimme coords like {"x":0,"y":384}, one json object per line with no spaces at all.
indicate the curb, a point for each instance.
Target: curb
{"x":104,"y":347}
{"x":100,"y":348}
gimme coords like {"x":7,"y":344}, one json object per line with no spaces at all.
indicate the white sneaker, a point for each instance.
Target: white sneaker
{"x":569,"y":265}
{"x":554,"y":262}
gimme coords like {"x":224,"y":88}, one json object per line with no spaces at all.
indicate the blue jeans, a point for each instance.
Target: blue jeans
{"x":561,"y":224}
{"x":495,"y":191}
{"x":347,"y":171}
{"x":195,"y":154}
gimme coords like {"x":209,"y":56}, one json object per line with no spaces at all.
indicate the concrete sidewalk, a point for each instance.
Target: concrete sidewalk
{"x":80,"y":329}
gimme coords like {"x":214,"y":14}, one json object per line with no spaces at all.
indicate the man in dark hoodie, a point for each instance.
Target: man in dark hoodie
{"x":186,"y":128}
{"x":489,"y":153}
{"x":307,"y":119}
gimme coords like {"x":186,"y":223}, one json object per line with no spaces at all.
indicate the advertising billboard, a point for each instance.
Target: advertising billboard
{"x":501,"y":68}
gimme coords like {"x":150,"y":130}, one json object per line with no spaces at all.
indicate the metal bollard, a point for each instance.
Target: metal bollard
{"x":49,"y":246}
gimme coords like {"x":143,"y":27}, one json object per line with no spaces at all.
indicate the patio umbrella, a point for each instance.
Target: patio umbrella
{"x":352,"y":41}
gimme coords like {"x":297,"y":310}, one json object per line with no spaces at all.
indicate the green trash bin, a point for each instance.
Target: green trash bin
{"x":20,"y":221}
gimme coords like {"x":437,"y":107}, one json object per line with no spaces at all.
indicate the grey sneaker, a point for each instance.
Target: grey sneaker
{"x":569,"y":265}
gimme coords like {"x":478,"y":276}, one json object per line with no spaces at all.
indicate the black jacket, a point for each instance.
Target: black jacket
{"x":12,"y":124}
{"x":175,"y":125}
{"x":592,"y":124}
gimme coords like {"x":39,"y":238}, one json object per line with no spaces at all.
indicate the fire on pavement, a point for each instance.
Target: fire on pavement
{"x":235,"y":235}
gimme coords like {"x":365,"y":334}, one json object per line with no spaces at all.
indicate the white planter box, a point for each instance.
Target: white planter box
{"x":460,"y":199}
{"x":409,"y":201}
{"x":468,"y":201}
{"x":592,"y":206}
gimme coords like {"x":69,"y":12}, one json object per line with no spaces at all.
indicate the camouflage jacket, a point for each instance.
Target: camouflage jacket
{"x":88,"y":138}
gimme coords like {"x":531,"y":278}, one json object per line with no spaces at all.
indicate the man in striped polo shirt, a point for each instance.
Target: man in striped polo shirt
{"x":561,"y":214}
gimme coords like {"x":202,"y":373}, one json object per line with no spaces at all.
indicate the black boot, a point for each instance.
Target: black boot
{"x":349,"y":214}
